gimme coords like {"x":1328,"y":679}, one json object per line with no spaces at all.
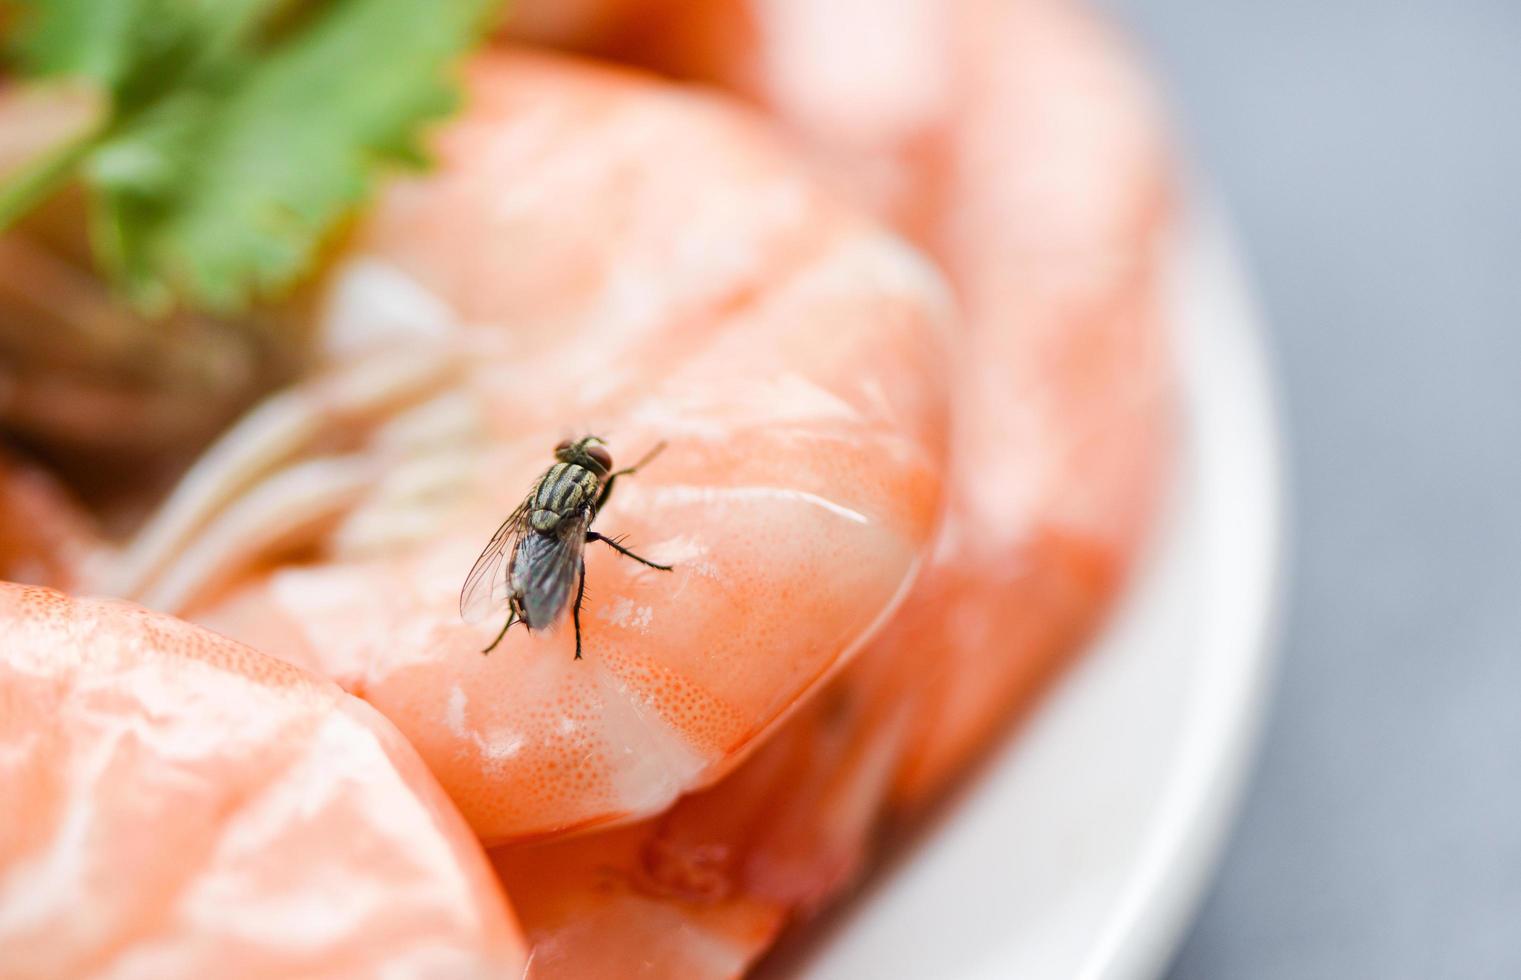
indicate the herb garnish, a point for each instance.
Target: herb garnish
{"x":236,"y":134}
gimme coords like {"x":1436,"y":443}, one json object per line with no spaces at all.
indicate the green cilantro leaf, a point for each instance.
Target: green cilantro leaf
{"x":242,"y":132}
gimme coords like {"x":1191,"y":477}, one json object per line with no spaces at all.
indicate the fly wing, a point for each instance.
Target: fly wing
{"x":545,"y":568}
{"x":485,"y":591}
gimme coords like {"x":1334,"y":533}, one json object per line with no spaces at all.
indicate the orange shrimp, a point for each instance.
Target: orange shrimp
{"x":1013,"y":141}
{"x":597,"y":253}
{"x":705,"y":888}
{"x":332,"y":527}
{"x":175,"y":804}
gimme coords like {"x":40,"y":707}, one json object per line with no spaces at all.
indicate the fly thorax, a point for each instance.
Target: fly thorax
{"x":565,"y":488}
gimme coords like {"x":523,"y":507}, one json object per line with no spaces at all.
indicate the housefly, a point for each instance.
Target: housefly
{"x":543,"y":540}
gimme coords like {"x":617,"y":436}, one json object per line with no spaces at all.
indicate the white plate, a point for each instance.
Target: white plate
{"x":1080,"y":850}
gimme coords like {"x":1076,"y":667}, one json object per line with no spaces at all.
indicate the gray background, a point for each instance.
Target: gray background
{"x":1371,"y":152}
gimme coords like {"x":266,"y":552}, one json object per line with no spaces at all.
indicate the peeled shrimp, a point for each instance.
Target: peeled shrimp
{"x":1054,"y":228}
{"x":595,"y":253}
{"x":705,"y":888}
{"x":1013,"y":141}
{"x":175,"y":804}
{"x":334,"y":525}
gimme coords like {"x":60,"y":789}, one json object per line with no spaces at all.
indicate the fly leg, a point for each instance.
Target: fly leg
{"x":607,"y":484}
{"x":575,"y":611}
{"x":512,"y":617}
{"x":611,"y":543}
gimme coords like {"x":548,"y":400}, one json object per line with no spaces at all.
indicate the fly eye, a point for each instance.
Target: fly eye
{"x":601,"y":455}
{"x":564,"y":446}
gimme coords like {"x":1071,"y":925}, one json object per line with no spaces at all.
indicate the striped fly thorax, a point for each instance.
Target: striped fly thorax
{"x":564,"y":489}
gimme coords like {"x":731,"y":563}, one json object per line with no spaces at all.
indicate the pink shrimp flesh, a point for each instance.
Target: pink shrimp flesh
{"x":175,"y":804}
{"x":595,"y":253}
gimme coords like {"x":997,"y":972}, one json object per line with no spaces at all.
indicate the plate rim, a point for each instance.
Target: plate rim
{"x":1183,"y":853}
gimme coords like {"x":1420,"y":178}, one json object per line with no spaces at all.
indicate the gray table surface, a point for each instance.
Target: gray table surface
{"x":1371,"y":152}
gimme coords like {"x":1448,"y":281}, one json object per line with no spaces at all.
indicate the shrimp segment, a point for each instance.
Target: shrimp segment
{"x":1011,"y":139}
{"x":173,"y":803}
{"x":706,"y":887}
{"x":1054,"y":228}
{"x":595,"y":253}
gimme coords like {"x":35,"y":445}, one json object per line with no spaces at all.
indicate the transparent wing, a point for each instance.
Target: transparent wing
{"x":547,"y":567}
{"x":485,"y":591}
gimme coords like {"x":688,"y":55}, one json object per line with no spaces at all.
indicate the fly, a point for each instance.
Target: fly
{"x":543,"y":540}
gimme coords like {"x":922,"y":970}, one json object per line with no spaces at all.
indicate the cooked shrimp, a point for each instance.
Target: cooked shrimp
{"x":595,"y":253}
{"x":1013,"y":142}
{"x":1037,"y":176}
{"x":703,"y":889}
{"x":173,"y":803}
{"x":1054,"y":227}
